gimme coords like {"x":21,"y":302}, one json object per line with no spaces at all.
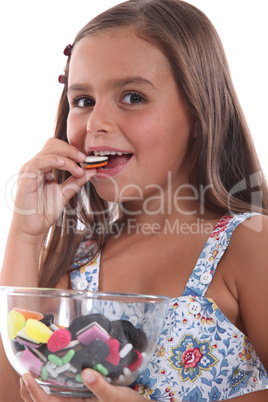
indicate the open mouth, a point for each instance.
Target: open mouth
{"x":115,"y":158}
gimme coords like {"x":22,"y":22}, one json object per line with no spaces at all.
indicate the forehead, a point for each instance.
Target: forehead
{"x":116,"y":51}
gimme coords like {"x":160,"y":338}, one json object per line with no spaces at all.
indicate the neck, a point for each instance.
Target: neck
{"x":184,"y":201}
{"x":146,"y":226}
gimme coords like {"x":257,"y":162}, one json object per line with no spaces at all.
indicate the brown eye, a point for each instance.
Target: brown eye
{"x":133,"y":99}
{"x":83,"y":102}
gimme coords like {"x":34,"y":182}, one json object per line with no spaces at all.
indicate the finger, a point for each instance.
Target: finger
{"x":60,"y":147}
{"x":45,"y":163}
{"x":24,"y":392}
{"x":32,"y":176}
{"x":104,"y":391}
{"x":35,"y":392}
{"x":72,"y":185}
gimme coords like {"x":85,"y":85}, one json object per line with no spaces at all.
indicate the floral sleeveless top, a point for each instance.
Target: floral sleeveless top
{"x":201,"y":356}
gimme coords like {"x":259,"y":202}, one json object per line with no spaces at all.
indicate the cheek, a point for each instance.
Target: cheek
{"x":74,"y":130}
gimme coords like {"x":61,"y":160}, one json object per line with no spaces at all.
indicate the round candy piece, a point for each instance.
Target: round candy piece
{"x":80,"y":324}
{"x":113,"y":371}
{"x":98,"y":351}
{"x":48,"y":319}
{"x":126,"y":333}
{"x":93,"y":161}
{"x":82,"y":359}
{"x":59,"y":340}
{"x":15,"y":322}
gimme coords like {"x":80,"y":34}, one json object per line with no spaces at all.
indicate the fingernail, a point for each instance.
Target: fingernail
{"x":81,"y":155}
{"x":90,"y":172}
{"x":26,"y":383}
{"x":80,"y":170}
{"x":88,"y":376}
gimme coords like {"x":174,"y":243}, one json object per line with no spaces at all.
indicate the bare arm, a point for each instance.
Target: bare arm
{"x":9,"y":379}
{"x":107,"y":393}
{"x":39,"y":202}
{"x":248,"y":260}
{"x":250,"y":257}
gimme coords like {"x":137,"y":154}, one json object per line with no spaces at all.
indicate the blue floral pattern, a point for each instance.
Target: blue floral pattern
{"x":85,"y":266}
{"x":191,"y":357}
{"x":201,"y":356}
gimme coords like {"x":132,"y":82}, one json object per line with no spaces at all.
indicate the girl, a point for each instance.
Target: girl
{"x":147,"y":83}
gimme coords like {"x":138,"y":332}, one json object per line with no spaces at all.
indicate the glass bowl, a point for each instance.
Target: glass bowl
{"x":54,"y":334}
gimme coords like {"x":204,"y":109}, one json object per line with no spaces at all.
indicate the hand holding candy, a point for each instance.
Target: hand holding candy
{"x":104,"y":392}
{"x":40,"y":199}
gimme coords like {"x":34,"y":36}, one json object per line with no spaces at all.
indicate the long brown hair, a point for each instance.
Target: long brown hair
{"x":221,"y":153}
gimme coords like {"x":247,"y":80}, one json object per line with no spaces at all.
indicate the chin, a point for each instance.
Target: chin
{"x":113,"y":191}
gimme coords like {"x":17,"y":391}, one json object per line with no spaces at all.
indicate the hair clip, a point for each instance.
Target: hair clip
{"x":68,"y":50}
{"x":62,"y":79}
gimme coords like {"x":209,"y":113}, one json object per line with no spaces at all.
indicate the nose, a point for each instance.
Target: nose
{"x":101,"y":119}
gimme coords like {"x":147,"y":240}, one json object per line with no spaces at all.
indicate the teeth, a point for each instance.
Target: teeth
{"x":105,"y":153}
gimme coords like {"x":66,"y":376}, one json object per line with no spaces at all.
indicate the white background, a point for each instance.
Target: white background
{"x":33,"y":35}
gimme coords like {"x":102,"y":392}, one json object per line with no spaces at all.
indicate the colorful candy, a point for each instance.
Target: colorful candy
{"x":29,"y":314}
{"x":15,"y":322}
{"x":137,"y":362}
{"x":37,"y":331}
{"x":58,"y":355}
{"x":94,"y":331}
{"x":68,"y":357}
{"x":93,"y":161}
{"x":113,"y":356}
{"x":59,"y":340}
{"x":33,"y":361}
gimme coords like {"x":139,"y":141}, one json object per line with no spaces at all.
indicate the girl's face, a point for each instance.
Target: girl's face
{"x":124,"y":101}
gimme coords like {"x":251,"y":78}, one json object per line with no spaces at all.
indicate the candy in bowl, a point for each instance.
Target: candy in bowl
{"x":54,"y":334}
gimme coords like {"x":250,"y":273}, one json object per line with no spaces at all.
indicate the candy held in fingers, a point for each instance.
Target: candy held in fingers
{"x":92,"y":162}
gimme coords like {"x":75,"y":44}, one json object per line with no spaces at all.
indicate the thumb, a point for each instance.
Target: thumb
{"x":73,"y":184}
{"x":104,"y":391}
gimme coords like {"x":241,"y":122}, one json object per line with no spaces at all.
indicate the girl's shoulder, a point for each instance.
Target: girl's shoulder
{"x":250,"y":240}
{"x":247,"y":252}
{"x":247,"y":261}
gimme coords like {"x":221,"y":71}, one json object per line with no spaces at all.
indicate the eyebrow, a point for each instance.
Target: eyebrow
{"x":131,"y":80}
{"x":115,"y":84}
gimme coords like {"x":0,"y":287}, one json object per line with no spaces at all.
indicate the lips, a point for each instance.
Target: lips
{"x":117,"y":160}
